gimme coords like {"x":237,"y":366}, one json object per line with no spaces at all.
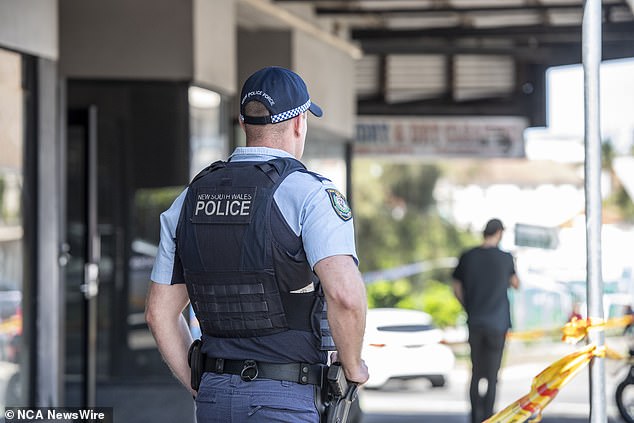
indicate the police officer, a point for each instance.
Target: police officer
{"x":258,"y":245}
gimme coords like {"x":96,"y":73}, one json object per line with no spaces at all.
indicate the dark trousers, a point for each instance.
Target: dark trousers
{"x":487,"y":346}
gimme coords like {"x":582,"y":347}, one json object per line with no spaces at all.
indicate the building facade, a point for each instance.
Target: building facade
{"x":106,"y":111}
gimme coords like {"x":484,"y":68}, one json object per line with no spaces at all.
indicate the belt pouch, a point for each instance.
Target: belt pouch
{"x":195,"y":359}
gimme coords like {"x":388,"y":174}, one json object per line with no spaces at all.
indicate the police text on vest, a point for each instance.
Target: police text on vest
{"x":223,"y":204}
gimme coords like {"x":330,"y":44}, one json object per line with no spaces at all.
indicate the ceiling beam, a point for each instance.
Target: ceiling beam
{"x":620,"y":30}
{"x":538,"y":54}
{"x":350,"y":9}
{"x":551,"y":55}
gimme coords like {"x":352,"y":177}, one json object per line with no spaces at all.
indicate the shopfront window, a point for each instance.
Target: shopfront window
{"x":208,"y":129}
{"x":208,"y":142}
{"x":11,"y":227}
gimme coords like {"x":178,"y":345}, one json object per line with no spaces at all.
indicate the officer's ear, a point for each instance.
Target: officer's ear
{"x":297,"y":125}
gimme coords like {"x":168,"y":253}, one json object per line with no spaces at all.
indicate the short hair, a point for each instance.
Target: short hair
{"x":256,"y":109}
{"x":492,"y":227}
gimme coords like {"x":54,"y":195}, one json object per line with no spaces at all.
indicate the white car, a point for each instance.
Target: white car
{"x":403,"y":344}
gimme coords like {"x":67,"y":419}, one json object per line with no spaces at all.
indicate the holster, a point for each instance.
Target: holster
{"x":337,"y":396}
{"x":196,"y":360}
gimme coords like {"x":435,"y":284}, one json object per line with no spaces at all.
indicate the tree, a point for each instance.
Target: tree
{"x":396,"y":224}
{"x":619,"y":201}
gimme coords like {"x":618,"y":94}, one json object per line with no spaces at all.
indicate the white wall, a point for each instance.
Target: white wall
{"x":29,"y":26}
{"x":215,"y":44}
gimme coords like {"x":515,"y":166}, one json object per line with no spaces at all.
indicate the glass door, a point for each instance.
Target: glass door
{"x":82,"y":272}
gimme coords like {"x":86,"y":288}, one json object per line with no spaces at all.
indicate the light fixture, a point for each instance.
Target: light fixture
{"x":203,"y":98}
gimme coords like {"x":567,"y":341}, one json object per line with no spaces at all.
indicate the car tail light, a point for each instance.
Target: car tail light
{"x":377,"y":345}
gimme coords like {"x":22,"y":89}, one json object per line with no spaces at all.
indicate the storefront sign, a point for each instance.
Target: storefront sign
{"x":487,"y":136}
{"x":536,"y":236}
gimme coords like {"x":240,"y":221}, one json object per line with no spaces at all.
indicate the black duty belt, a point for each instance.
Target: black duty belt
{"x":249,"y":370}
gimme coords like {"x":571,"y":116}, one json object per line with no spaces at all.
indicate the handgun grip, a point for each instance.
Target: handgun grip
{"x":337,"y":380}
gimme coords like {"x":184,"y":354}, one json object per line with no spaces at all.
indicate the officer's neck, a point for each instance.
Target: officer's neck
{"x":288,"y":144}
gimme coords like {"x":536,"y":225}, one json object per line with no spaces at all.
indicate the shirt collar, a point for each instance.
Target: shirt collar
{"x":257,"y":154}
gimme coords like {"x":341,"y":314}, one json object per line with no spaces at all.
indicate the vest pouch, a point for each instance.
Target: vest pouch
{"x":236,"y":304}
{"x":293,"y":272}
{"x":299,"y":308}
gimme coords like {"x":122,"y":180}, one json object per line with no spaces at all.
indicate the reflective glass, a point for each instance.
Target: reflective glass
{"x":11,"y":228}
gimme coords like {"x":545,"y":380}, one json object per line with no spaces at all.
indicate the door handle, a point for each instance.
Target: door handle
{"x":90,"y":287}
{"x":64,"y":254}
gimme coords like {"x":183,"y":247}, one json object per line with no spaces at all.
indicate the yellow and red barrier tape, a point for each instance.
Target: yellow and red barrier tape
{"x":547,"y":384}
{"x":574,"y":330}
{"x":577,"y":329}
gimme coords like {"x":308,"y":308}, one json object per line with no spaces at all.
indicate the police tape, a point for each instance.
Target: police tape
{"x":528,"y":335}
{"x":544,"y":388}
{"x":573,"y":331}
{"x":547,"y":384}
{"x":577,"y":329}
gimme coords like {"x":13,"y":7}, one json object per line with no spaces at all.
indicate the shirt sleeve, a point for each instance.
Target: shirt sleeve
{"x":512,"y":264}
{"x":164,"y":262}
{"x":317,"y":212}
{"x":459,"y":270}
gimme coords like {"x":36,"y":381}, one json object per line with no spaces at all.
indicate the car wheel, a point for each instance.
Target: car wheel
{"x":437,"y":381}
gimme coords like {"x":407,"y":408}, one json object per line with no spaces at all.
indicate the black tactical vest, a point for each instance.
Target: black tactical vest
{"x":241,"y":281}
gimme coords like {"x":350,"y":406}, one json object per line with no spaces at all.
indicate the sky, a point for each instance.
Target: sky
{"x":561,"y":141}
{"x":565,"y":101}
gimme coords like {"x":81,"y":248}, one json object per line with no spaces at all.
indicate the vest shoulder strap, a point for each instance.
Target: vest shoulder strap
{"x":280,"y":167}
{"x":214,"y":166}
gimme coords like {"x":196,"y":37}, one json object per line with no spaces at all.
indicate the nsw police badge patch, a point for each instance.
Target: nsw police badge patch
{"x":339,"y":203}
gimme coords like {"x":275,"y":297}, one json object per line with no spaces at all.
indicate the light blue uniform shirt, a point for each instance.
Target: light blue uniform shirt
{"x":302,"y":200}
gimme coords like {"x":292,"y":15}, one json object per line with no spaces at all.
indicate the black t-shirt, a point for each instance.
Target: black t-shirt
{"x":485,"y":274}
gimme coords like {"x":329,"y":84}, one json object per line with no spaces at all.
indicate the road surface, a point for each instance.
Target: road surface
{"x":416,"y":401}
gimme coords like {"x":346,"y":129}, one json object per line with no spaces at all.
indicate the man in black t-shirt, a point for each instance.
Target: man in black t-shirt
{"x":481,"y":280}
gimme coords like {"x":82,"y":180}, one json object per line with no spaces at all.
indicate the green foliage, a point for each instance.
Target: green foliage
{"x":621,"y":202}
{"x":388,"y":293}
{"x":625,"y":203}
{"x":148,"y":205}
{"x":395,"y":218}
{"x":607,"y":154}
{"x":439,"y":301}
{"x":435,"y":298}
{"x":396,"y":224}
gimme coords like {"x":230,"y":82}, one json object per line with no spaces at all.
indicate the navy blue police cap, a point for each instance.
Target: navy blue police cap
{"x":281,"y":91}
